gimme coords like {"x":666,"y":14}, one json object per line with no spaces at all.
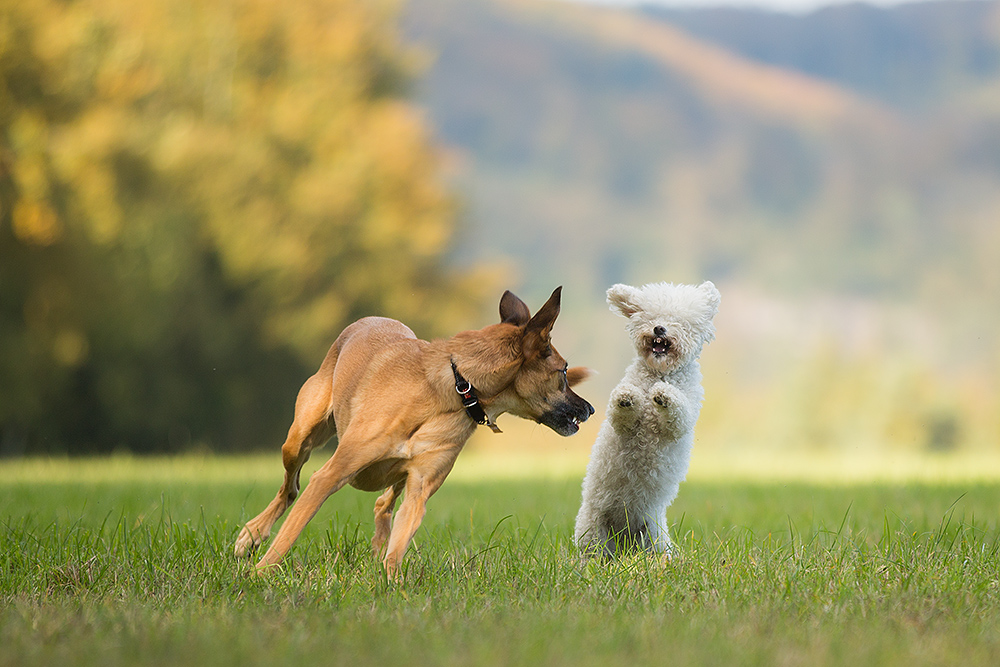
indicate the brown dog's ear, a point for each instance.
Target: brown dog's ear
{"x":577,"y":374}
{"x":536,"y":334}
{"x":513,"y":310}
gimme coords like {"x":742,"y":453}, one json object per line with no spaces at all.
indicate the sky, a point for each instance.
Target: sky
{"x":792,"y":6}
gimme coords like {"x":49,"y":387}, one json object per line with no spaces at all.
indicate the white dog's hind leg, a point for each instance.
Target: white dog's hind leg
{"x":590,"y":536}
{"x":660,"y":535}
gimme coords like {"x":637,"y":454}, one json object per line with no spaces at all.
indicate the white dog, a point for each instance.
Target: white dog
{"x":642,"y":451}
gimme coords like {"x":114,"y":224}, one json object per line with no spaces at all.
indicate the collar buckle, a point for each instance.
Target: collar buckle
{"x":470,"y":400}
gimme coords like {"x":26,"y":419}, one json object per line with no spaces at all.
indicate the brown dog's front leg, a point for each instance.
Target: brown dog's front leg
{"x":383,"y":518}
{"x":408,"y":519}
{"x":421,"y":483}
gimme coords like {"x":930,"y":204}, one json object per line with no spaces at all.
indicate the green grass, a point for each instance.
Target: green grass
{"x":123,"y":571}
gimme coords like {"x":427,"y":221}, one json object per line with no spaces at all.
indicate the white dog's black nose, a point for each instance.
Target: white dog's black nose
{"x":659,"y":332}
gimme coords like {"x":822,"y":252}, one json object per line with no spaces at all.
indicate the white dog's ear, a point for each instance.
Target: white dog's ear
{"x":624,"y":299}
{"x":712,"y":297}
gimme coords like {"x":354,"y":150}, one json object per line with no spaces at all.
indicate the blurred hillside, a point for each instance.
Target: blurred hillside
{"x":612,"y":140}
{"x":837,"y":174}
{"x":917,"y":57}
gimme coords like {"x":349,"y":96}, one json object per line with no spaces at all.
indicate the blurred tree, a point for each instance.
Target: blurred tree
{"x":195,"y":197}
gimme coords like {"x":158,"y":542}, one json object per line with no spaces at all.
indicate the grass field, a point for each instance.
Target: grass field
{"x":128,"y":561}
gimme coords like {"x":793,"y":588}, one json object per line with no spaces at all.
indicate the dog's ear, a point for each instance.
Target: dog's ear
{"x":577,"y":374}
{"x":513,"y":310}
{"x":712,"y":297}
{"x":539,"y":329}
{"x":623,"y":299}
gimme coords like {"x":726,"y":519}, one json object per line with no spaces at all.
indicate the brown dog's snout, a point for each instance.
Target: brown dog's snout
{"x":581,"y":404}
{"x":565,"y":418}
{"x":575,"y":376}
{"x":580,"y":407}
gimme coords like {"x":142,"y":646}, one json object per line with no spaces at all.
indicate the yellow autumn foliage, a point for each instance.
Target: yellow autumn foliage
{"x":219,"y":187}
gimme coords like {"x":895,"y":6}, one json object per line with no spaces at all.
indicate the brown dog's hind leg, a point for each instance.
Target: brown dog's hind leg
{"x":383,"y":518}
{"x":311,"y":428}
{"x":352,"y":456}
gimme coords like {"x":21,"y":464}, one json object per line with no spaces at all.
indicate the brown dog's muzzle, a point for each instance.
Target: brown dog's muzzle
{"x":567,"y":415}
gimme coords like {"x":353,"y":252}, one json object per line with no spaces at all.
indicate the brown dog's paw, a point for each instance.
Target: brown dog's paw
{"x":260,"y":571}
{"x":246,"y":545}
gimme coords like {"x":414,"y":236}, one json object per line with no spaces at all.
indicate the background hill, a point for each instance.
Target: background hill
{"x":836,"y":173}
{"x":916,"y":57}
{"x":780,"y":152}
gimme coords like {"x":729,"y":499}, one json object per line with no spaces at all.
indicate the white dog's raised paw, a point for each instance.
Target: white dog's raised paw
{"x":665,"y":395}
{"x":624,"y":398}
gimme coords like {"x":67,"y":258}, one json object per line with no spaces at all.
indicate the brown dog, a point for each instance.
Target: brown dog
{"x":403,"y":409}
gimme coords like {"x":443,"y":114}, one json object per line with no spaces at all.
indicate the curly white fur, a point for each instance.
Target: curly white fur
{"x":643,"y":448}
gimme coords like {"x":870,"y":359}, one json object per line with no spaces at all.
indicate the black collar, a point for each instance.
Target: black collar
{"x":470,"y":400}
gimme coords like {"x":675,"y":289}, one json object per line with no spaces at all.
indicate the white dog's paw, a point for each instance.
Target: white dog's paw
{"x":624,"y":398}
{"x":666,"y":395}
{"x":669,"y":555}
{"x":670,"y":409}
{"x":623,"y":407}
